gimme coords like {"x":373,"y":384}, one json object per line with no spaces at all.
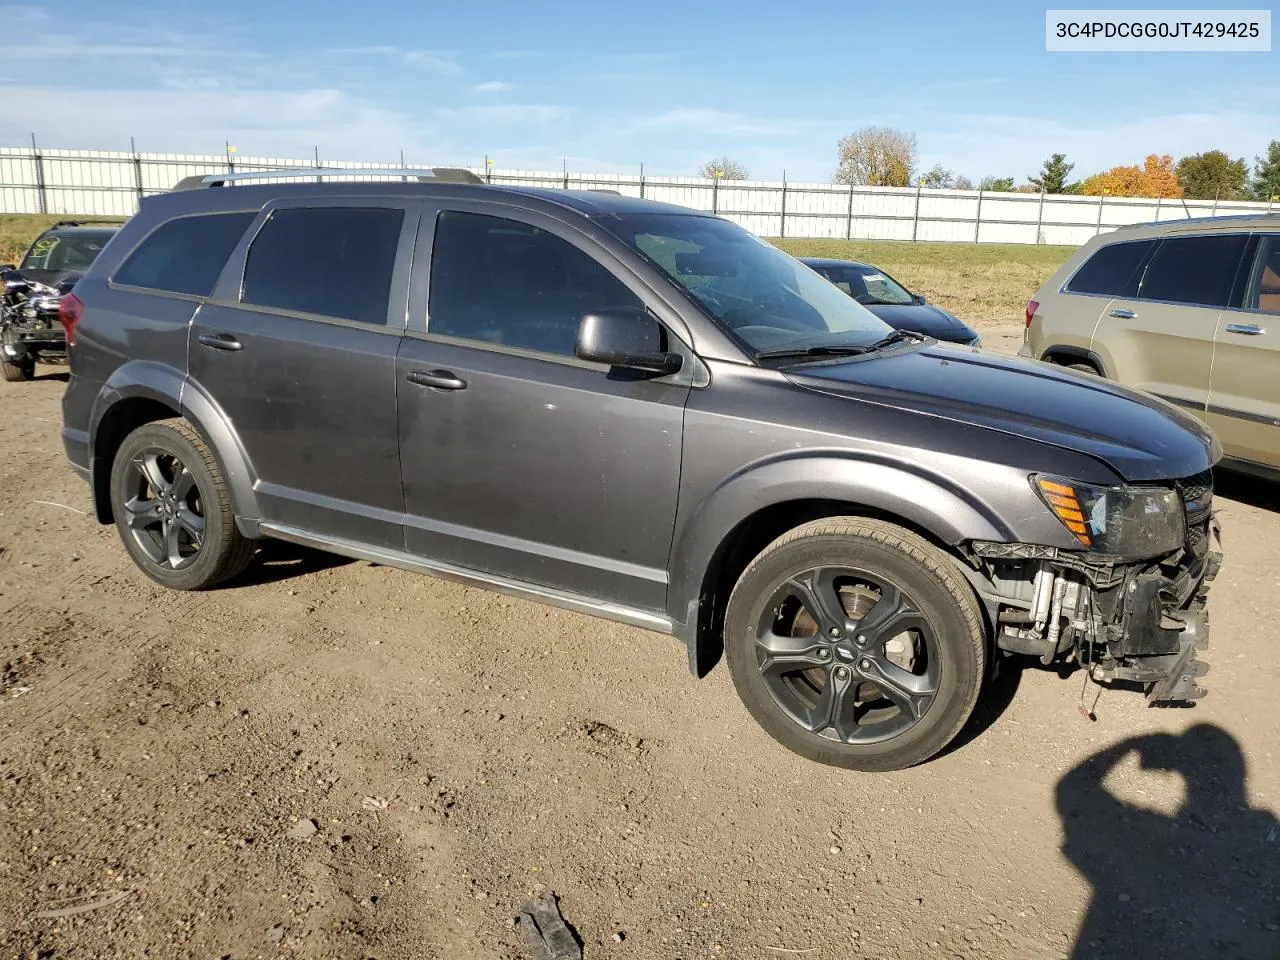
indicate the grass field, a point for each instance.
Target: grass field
{"x":986,"y":284}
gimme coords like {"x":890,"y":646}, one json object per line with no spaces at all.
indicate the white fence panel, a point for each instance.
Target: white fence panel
{"x":107,"y":183}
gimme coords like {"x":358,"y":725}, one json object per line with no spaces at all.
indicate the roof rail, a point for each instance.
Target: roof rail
{"x":433,"y":174}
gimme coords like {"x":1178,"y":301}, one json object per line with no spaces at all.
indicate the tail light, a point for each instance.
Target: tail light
{"x":70,"y":310}
{"x":1032,"y":307}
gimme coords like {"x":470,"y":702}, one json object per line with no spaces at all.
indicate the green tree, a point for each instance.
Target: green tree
{"x":1212,"y":175}
{"x":1053,"y":176}
{"x":939,"y":178}
{"x":996,"y":184}
{"x":877,"y":157}
{"x":1266,"y":175}
{"x":723,"y":168}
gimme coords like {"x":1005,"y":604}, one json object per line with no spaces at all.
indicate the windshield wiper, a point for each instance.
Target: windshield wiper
{"x":843,"y":350}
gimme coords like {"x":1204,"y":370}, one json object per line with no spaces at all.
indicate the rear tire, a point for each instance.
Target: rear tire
{"x":880,"y":687}
{"x":17,"y":371}
{"x":173,"y":509}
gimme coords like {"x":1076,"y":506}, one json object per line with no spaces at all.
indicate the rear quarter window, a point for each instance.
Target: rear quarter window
{"x":1113,"y":270}
{"x":184,"y":255}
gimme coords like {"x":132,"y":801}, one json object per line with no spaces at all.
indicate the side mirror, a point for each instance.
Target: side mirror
{"x":8,"y":266}
{"x":919,"y":298}
{"x":627,"y":338}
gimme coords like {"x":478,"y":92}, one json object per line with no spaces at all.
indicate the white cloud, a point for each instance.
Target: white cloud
{"x":493,"y":86}
{"x":713,"y":122}
{"x":433,"y":61}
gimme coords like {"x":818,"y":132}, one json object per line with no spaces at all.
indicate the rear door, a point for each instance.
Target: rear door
{"x":298,"y":348}
{"x":1244,"y":400}
{"x":1162,"y":340}
{"x":1069,"y":317}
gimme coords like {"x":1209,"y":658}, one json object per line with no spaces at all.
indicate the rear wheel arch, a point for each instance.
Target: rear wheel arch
{"x":1074,"y":357}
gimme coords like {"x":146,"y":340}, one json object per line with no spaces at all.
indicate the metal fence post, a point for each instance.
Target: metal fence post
{"x":1040,"y":218}
{"x":42,"y":196}
{"x":315,"y":152}
{"x":565,"y":168}
{"x":1158,"y":199}
{"x":1215,"y":202}
{"x":915,"y":215}
{"x":137,"y":169}
{"x":1097,"y":227}
{"x":977,"y":219}
{"x":848,"y":224}
{"x":642,"y":181}
{"x":231,"y":164}
{"x":715,"y":195}
{"x":782,"y":220}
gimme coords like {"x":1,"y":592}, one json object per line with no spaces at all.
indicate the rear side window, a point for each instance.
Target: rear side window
{"x":1113,"y":270}
{"x":185,"y":255}
{"x":331,"y":261}
{"x":1198,"y":271}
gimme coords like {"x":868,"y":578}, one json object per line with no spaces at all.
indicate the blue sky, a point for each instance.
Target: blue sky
{"x":609,"y":86}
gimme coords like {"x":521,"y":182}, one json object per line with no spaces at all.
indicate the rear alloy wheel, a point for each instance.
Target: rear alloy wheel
{"x":18,"y":371}
{"x":173,"y":510}
{"x":856,"y":643}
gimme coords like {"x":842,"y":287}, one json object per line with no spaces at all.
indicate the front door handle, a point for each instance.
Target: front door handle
{"x":1123,"y":314}
{"x":1248,"y":329}
{"x":220,"y":341}
{"x":440,"y":379}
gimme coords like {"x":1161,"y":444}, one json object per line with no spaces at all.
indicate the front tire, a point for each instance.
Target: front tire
{"x":17,"y":371}
{"x":173,"y":509}
{"x":855,"y":643}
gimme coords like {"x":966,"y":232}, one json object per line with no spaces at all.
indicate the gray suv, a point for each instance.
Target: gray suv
{"x":640,"y":412}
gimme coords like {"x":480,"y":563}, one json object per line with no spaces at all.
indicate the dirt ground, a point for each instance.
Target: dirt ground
{"x":332,"y":759}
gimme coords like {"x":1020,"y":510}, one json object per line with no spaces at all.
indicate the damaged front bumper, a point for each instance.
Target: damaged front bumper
{"x":1141,"y":622}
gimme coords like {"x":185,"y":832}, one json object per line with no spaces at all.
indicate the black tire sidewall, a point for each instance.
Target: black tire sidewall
{"x":209,"y":561}
{"x":961,"y":660}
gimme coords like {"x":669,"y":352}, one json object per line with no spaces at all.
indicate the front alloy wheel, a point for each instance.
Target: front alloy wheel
{"x":856,"y":643}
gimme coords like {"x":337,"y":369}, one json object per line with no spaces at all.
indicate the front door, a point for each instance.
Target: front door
{"x":1162,"y":341}
{"x":1244,"y":402}
{"x":298,"y":348}
{"x":518,"y":458}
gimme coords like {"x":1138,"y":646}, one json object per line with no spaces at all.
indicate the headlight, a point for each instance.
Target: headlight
{"x":1124,"y":521}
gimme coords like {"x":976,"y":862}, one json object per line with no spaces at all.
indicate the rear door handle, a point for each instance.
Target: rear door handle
{"x":440,"y":379}
{"x":1123,"y":314}
{"x":220,"y":341}
{"x":1248,"y":329}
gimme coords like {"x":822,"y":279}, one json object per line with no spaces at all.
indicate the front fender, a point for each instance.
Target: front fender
{"x":140,"y":379}
{"x":929,"y":501}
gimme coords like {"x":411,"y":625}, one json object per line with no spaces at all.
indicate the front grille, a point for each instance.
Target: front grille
{"x":1197,"y":501}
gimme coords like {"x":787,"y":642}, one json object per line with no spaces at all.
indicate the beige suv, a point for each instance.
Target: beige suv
{"x":1188,"y":311}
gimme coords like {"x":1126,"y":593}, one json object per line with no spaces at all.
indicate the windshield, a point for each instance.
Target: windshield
{"x":867,"y":284}
{"x":66,"y":251}
{"x":767,"y":299}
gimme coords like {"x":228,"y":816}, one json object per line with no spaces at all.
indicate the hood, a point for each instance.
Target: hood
{"x":62,"y":280}
{"x":1138,"y":436}
{"x":923,"y":318}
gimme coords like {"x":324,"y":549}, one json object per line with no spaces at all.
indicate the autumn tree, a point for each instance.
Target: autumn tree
{"x":963,"y":183}
{"x":723,"y":168}
{"x":996,"y":184}
{"x":877,"y":157}
{"x":1212,"y":176}
{"x":1053,"y":176}
{"x":1266,"y":175}
{"x":1155,"y":178}
{"x":939,"y":178}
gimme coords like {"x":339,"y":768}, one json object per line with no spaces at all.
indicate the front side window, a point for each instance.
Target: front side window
{"x":509,"y":283}
{"x":185,"y":255}
{"x":329,"y":261}
{"x":1264,"y":292}
{"x":1113,"y":271}
{"x":751,"y":288}
{"x":1197,"y":271}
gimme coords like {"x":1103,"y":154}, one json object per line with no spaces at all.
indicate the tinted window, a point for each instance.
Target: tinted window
{"x":1194,"y":270}
{"x":185,"y":255}
{"x":1265,"y":294}
{"x":1113,"y":270}
{"x":332,"y":261}
{"x":507,"y":282}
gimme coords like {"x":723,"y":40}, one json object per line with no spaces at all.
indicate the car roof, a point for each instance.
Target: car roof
{"x":1156,"y":228}
{"x":834,"y":262}
{"x":588,"y":203}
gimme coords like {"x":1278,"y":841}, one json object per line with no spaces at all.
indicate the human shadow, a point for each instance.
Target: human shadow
{"x":1203,"y":882}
